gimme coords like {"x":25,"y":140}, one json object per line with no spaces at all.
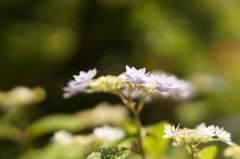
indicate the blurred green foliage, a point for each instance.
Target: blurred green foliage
{"x":208,"y":153}
{"x":45,"y":42}
{"x":154,"y":143}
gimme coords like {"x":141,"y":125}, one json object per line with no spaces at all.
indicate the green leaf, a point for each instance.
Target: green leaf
{"x":8,"y":131}
{"x":52,"y":151}
{"x":51,"y":123}
{"x":79,"y":121}
{"x":110,"y":153}
{"x":208,"y":153}
{"x":154,"y":143}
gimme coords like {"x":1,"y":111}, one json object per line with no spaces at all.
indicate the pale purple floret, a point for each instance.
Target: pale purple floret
{"x":134,"y":75}
{"x":80,"y":83}
{"x":164,"y":83}
{"x":85,"y":76}
{"x":73,"y":88}
{"x":184,"y":92}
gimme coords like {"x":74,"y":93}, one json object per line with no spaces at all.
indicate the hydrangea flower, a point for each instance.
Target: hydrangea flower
{"x":133,"y":83}
{"x":134,"y":75}
{"x":80,"y":83}
{"x":109,"y":133}
{"x":201,"y":134}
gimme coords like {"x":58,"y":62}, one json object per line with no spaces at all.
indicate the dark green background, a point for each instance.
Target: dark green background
{"x":45,"y":42}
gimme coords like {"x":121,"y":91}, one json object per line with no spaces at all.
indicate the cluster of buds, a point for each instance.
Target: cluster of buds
{"x":201,"y":134}
{"x":129,"y":84}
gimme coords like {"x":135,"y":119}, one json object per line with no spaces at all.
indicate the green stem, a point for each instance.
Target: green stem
{"x":141,"y":103}
{"x":192,"y":151}
{"x":136,"y":109}
{"x":136,"y":115}
{"x":124,"y":98}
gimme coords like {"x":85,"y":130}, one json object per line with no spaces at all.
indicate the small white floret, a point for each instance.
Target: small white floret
{"x":223,"y":135}
{"x":109,"y":133}
{"x":170,"y":131}
{"x":208,"y":131}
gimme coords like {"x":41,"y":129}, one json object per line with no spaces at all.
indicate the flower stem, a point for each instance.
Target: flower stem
{"x":136,"y":110}
{"x":141,"y":103}
{"x":136,"y":115}
{"x":192,"y":151}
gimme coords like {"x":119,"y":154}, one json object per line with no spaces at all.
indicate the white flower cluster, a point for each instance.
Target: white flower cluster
{"x":201,"y":134}
{"x":232,"y":152}
{"x":21,"y":96}
{"x":133,"y":80}
{"x":63,"y":137}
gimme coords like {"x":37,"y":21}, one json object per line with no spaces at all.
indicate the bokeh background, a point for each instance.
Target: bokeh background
{"x":43,"y":43}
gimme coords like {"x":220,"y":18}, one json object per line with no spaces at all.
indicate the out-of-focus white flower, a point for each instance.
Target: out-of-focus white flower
{"x":62,"y":137}
{"x":21,"y":96}
{"x":232,"y":151}
{"x":134,"y":75}
{"x":80,"y":83}
{"x":223,"y":135}
{"x":164,"y":83}
{"x":170,"y":131}
{"x":109,"y":133}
